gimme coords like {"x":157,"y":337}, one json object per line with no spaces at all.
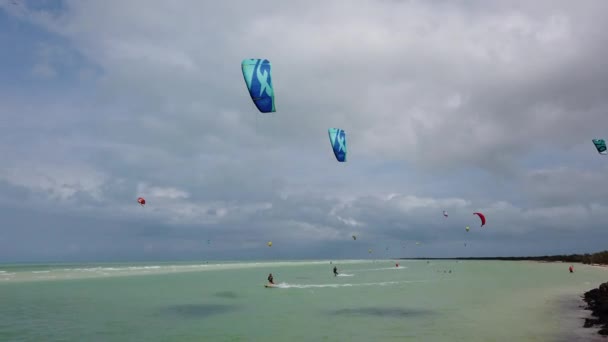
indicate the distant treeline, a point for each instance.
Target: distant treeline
{"x":595,"y":258}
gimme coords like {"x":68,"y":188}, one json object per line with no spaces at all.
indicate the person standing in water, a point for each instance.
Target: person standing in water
{"x":571,"y":269}
{"x":335,"y":271}
{"x":270,"y":279}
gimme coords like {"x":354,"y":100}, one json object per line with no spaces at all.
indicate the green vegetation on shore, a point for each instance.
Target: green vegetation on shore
{"x":594,"y":258}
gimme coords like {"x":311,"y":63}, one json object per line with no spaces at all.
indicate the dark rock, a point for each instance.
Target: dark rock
{"x":590,"y":322}
{"x":597,"y":302}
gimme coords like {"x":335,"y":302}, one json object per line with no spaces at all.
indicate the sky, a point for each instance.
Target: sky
{"x":463,"y":106}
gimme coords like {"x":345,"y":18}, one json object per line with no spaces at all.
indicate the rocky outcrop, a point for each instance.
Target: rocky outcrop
{"x":597,"y":302}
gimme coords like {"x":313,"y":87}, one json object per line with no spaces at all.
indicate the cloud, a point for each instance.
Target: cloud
{"x":461,"y":106}
{"x":160,"y":192}
{"x":44,"y":71}
{"x":56,"y":182}
{"x":566,"y":185}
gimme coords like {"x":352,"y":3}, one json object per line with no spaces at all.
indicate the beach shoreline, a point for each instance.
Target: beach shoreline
{"x":571,"y":316}
{"x":592,"y":305}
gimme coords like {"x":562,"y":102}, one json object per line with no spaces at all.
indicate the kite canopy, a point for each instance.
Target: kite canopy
{"x":467,"y":228}
{"x":337,"y":139}
{"x":141,"y":201}
{"x":445,"y":213}
{"x":269,"y":243}
{"x":256,"y":73}
{"x":482,"y":217}
{"x":354,"y":237}
{"x":600,"y":145}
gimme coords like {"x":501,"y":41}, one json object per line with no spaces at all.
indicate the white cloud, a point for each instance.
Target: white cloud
{"x":55,"y":181}
{"x":409,"y":203}
{"x":161,"y":192}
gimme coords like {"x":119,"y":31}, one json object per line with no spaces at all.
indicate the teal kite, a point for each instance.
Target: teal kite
{"x":337,"y":139}
{"x":258,"y":79}
{"x":600,"y":145}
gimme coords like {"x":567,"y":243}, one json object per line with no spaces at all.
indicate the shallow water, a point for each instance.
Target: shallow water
{"x":369,"y":301}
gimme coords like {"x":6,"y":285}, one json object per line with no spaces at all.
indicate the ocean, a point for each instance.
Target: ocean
{"x":368,"y":301}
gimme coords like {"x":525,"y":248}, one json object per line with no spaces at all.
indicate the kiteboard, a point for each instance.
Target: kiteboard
{"x":269,"y":285}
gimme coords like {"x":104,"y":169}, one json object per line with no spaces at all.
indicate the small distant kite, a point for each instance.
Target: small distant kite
{"x":482,"y":217}
{"x":141,"y":201}
{"x":269,"y":243}
{"x":354,"y":237}
{"x":467,"y":228}
{"x":600,"y":145}
{"x":445,"y":213}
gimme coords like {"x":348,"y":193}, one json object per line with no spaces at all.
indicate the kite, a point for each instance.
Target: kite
{"x":600,"y":145}
{"x":258,"y":79}
{"x":337,"y":139}
{"x":482,"y":217}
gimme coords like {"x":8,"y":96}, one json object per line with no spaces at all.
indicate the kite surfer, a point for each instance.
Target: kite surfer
{"x":270,"y":279}
{"x":571,"y":269}
{"x":335,"y":271}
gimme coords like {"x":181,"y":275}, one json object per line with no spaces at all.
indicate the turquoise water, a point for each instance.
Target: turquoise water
{"x":370,"y":301}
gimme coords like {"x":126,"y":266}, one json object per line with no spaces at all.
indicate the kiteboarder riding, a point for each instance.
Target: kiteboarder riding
{"x":335,"y":271}
{"x":270,"y":279}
